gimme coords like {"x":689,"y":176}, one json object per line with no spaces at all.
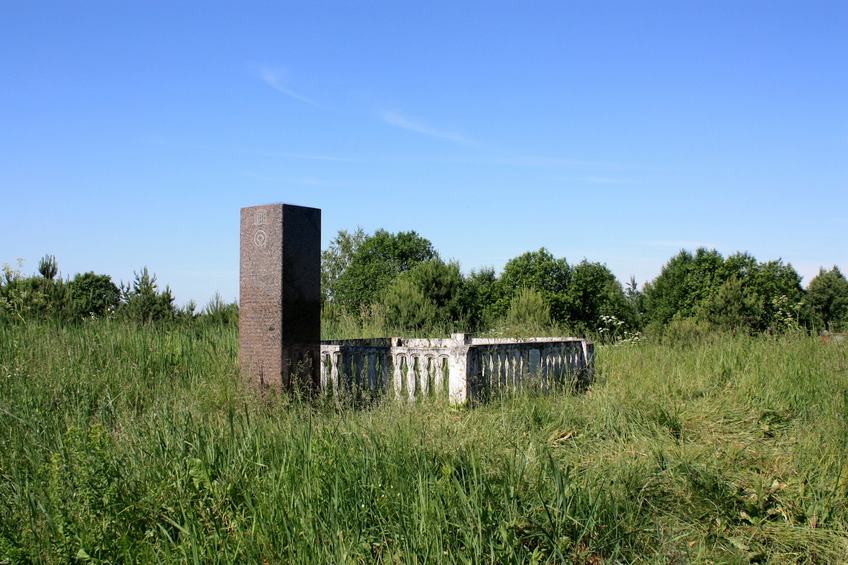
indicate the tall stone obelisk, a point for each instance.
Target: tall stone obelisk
{"x":280,"y":296}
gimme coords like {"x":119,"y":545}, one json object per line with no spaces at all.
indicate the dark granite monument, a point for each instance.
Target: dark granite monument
{"x":280,"y":296}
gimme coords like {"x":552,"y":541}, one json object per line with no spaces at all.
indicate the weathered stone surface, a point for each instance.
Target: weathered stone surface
{"x":280,"y":295}
{"x":460,"y":369}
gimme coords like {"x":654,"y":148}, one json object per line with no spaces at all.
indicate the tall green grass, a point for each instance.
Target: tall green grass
{"x":120,"y":443}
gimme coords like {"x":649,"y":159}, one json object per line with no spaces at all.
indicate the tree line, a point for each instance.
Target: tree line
{"x":397,"y":283}
{"x":90,"y":295}
{"x":401,"y":279}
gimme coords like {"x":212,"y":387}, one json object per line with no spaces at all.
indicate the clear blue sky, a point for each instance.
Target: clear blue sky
{"x":618,"y":131}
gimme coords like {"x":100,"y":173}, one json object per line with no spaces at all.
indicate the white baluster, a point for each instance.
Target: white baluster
{"x":491,"y":375}
{"x":505,"y":371}
{"x":425,"y":366}
{"x":507,"y":368}
{"x":494,"y":366}
{"x":325,"y":369}
{"x":372,"y":372}
{"x":385,"y":371}
{"x":410,"y":376}
{"x":441,"y":367}
{"x":523,"y":365}
{"x":398,"y":375}
{"x":334,"y":372}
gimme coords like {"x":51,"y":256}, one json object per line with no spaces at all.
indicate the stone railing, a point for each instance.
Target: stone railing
{"x":460,"y":368}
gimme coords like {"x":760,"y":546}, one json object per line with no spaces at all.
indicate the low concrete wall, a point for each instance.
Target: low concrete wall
{"x":460,"y":368}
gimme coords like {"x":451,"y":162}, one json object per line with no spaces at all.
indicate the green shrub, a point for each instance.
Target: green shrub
{"x":93,"y":295}
{"x":219,"y":312}
{"x":408,"y":309}
{"x":33,"y":297}
{"x":143,"y":302}
{"x":732,"y":307}
{"x":529,"y":314}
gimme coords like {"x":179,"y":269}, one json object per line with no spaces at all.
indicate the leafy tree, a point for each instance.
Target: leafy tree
{"x":93,"y":294}
{"x":742,"y":265}
{"x":483,"y":294}
{"x":443,"y":284}
{"x":779,"y":286}
{"x":666,"y":296}
{"x":827,"y":301}
{"x":683,"y":283}
{"x":336,"y":259}
{"x":374,"y":264}
{"x":576,"y":295}
{"x":595,"y":292}
{"x":705,"y":275}
{"x":727,"y":293}
{"x":541,"y":271}
{"x":772,"y":285}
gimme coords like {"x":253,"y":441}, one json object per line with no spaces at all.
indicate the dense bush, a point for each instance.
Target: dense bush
{"x":541,"y":271}
{"x":736,"y":293}
{"x":34,"y":297}
{"x":827,"y":301}
{"x":94,"y":295}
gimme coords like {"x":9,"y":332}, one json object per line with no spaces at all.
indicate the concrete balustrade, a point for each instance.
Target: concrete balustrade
{"x":460,"y":368}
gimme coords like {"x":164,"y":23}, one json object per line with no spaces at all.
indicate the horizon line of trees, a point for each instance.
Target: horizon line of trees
{"x":89,"y":295}
{"x":401,"y":279}
{"x":398,"y":283}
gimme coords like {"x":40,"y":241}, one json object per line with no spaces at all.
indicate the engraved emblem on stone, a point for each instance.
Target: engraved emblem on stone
{"x":260,"y":238}
{"x":260,"y":217}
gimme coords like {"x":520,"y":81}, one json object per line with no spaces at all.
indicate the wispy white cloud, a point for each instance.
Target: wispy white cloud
{"x":360,"y":187}
{"x":320,"y":157}
{"x":244,"y":151}
{"x":399,"y":120}
{"x":677,"y":244}
{"x":599,"y":180}
{"x":275,"y":78}
{"x":290,"y":180}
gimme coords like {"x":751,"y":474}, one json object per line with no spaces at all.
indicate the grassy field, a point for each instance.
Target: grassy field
{"x":120,"y":444}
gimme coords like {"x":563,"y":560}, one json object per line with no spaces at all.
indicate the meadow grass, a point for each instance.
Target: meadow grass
{"x":128,"y":444}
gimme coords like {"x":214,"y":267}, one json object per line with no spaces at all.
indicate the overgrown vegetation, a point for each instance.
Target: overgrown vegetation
{"x":122,"y":442}
{"x":716,"y":431}
{"x":384,"y":284}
